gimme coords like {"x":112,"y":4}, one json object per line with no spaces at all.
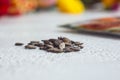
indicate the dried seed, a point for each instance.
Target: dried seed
{"x":52,"y":40}
{"x":77,"y":43}
{"x":55,"y":50}
{"x":29,"y":44}
{"x":57,"y":43}
{"x":75,"y":48}
{"x":47,"y":42}
{"x":68,"y":44}
{"x":64,"y":39}
{"x":72,"y":42}
{"x":18,"y":44}
{"x":38,"y":45}
{"x":67,"y":49}
{"x":49,"y":46}
{"x":62,"y":46}
{"x":34,"y":44}
{"x":81,"y":47}
{"x":42,"y":48}
{"x":81,"y":43}
{"x":60,"y":38}
{"x":30,"y":47}
{"x":34,"y":41}
{"x":50,"y":43}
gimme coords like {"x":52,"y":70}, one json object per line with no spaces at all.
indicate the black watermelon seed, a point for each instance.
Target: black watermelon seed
{"x":18,"y":44}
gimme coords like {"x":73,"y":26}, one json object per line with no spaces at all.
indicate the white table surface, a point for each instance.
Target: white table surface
{"x":99,"y":60}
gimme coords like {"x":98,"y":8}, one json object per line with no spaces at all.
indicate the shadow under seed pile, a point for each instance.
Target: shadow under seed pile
{"x":60,"y":45}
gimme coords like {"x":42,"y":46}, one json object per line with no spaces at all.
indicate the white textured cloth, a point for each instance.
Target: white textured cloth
{"x":99,"y":60}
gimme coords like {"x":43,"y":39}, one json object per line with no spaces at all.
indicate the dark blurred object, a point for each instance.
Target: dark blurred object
{"x":90,"y":3}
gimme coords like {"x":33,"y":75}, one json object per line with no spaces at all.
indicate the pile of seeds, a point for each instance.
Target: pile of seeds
{"x":62,"y":44}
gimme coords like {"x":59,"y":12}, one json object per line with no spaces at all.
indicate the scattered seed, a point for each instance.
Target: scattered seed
{"x":18,"y":44}
{"x":62,"y":44}
{"x":55,"y":50}
{"x":30,"y":47}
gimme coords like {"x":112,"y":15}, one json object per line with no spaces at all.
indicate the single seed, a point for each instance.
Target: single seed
{"x":52,"y":40}
{"x":62,"y":46}
{"x":42,"y":47}
{"x":47,"y":42}
{"x":77,"y":43}
{"x":38,"y":45}
{"x":18,"y":44}
{"x":75,"y":49}
{"x":81,"y":43}
{"x":60,"y":38}
{"x":68,"y":44}
{"x":54,"y":50}
{"x":81,"y":47}
{"x":66,"y":40}
{"x":49,"y":46}
{"x":34,"y":44}
{"x":30,"y":47}
{"x":57,"y":43}
{"x":67,"y":49}
{"x":34,"y":41}
{"x":72,"y":42}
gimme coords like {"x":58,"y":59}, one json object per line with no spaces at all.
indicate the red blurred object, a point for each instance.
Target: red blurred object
{"x":17,"y":7}
{"x":3,"y":10}
{"x":4,"y":6}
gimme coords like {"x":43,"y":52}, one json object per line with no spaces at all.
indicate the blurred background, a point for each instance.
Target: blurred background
{"x":21,"y":7}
